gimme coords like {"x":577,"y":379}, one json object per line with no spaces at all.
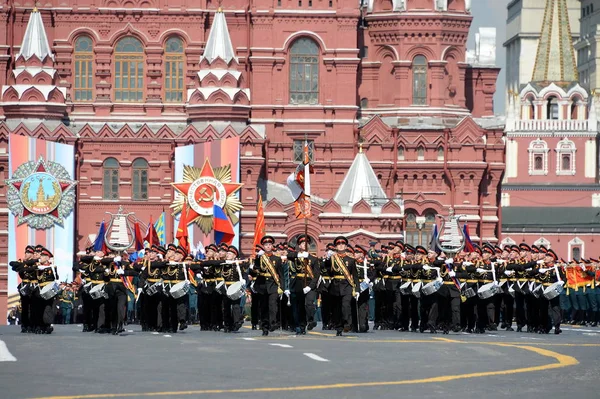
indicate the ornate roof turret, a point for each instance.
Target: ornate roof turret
{"x":555,"y":60}
{"x":33,"y":92}
{"x":219,"y":94}
{"x":360,"y":183}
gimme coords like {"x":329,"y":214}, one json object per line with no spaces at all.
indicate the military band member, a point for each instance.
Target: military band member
{"x":232,"y":273}
{"x":174,"y":310}
{"x":43,"y":308}
{"x":26,"y":287}
{"x":267,"y":272}
{"x":365,"y":276}
{"x":344,"y":284}
{"x":304,"y":278}
{"x":323,"y":288}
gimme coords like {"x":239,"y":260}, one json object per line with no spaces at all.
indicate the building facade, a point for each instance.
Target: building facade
{"x":127,"y":82}
{"x":588,"y":45}
{"x":551,"y":193}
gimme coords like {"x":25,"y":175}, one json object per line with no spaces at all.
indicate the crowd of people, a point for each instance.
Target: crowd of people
{"x":402,"y":287}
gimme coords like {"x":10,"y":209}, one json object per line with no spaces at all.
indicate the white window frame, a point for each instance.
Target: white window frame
{"x":576,"y":242}
{"x":538,"y":147}
{"x":565,"y":147}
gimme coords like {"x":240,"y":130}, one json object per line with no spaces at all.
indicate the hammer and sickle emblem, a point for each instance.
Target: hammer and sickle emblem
{"x":206,"y":194}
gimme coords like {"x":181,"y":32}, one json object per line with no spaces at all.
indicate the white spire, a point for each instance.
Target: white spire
{"x":35,"y":41}
{"x":360,"y":183}
{"x":219,"y":44}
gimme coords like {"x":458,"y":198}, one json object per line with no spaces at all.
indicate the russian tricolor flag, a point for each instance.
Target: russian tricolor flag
{"x":223,"y":227}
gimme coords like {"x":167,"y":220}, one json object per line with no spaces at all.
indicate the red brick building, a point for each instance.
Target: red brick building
{"x":127,"y":82}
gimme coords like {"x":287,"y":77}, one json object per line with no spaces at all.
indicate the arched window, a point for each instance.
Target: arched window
{"x":364,"y":103}
{"x":140,"y":180}
{"x":304,"y":72}
{"x":111,"y":179}
{"x":129,"y":70}
{"x":411,"y":232}
{"x":419,"y":80}
{"x":174,"y":71}
{"x":83,"y":87}
{"x":400,"y":153}
{"x":538,"y":157}
{"x":552,"y":108}
{"x":427,"y":228}
{"x":440,"y":155}
{"x":565,"y":157}
{"x":420,"y":153}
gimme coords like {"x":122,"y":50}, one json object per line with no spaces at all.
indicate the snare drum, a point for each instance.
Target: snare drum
{"x":87,"y":287}
{"x":97,"y":291}
{"x":364,"y":286}
{"x":487,"y":290}
{"x":554,"y":290}
{"x":50,"y":290}
{"x":535,"y":289}
{"x":405,"y":288}
{"x":432,"y":287}
{"x":236,"y":290}
{"x":180,"y":289}
{"x":416,"y":289}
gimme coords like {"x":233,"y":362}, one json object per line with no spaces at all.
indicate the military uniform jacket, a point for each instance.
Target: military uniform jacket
{"x":301,"y":271}
{"x":340,"y":286}
{"x":264,"y":281}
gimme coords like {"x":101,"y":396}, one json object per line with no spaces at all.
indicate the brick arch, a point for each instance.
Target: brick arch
{"x":197,"y":98}
{"x":82,"y":31}
{"x":219,"y":97}
{"x":126,"y":31}
{"x":291,"y":39}
{"x":174,"y":32}
{"x":241,"y":98}
{"x":229,"y":80}
{"x":42,"y":78}
{"x":56,"y":96}
{"x":384,"y":50}
{"x":33,"y":94}
{"x":414,"y":51}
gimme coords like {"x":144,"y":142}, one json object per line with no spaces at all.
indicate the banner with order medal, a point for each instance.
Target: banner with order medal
{"x":207,"y":175}
{"x":41,"y":200}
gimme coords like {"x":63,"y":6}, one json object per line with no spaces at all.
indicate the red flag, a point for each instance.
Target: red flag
{"x":299,"y":185}
{"x":182,"y":230}
{"x":139,"y":240}
{"x":151,"y":236}
{"x":259,"y":227}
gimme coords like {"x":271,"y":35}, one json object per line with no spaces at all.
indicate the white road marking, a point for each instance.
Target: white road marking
{"x":155,"y":333}
{"x":315,"y":357}
{"x":591,"y":334}
{"x":249,"y":339}
{"x":129,"y":330}
{"x":578,"y":329}
{"x":167,"y":335}
{"x":282,"y":345}
{"x":5,"y":355}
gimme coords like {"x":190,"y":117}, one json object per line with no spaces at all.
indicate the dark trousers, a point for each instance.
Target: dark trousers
{"x":116,"y":306}
{"x":429,"y":311}
{"x":255,"y":310}
{"x":232,"y":314}
{"x":532,"y":312}
{"x":450,"y":311}
{"x":410,"y":312}
{"x":362,"y":304}
{"x":175,"y":312}
{"x":268,"y":310}
{"x":468,"y":311}
{"x":151,"y":303}
{"x":25,"y":311}
{"x":205,"y":310}
{"x":380,"y":309}
{"x":326,"y":309}
{"x":520,"y":309}
{"x":485,"y":313}
{"x":88,"y":311}
{"x":342,"y":311}
{"x":303,"y":308}
{"x":509,"y":305}
{"x":43,"y":312}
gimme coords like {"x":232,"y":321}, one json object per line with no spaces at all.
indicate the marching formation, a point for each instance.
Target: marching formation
{"x":411,"y":288}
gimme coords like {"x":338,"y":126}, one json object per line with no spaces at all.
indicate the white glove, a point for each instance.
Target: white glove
{"x":438,"y":279}
{"x":287,"y":292}
{"x":357,"y":295}
{"x":303,"y":255}
{"x":452,"y":274}
{"x":199,"y":275}
{"x":306,"y":290}
{"x":467,"y":263}
{"x":329,"y":254}
{"x":480,"y":270}
{"x":284,"y":258}
{"x":403,"y":255}
{"x":260,"y":253}
{"x":117,"y":259}
{"x":143,"y":268}
{"x":509,"y":272}
{"x":500,"y":261}
{"x":229,"y":261}
{"x":449,"y":261}
{"x":367,"y":281}
{"x":96,"y":257}
{"x":120,"y":272}
{"x":426,"y":267}
{"x":82,"y":281}
{"x":582,"y":266}
{"x":57,"y":307}
{"x":389,"y":269}
{"x":542,"y":270}
{"x":251,"y":266}
{"x":540,"y":262}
